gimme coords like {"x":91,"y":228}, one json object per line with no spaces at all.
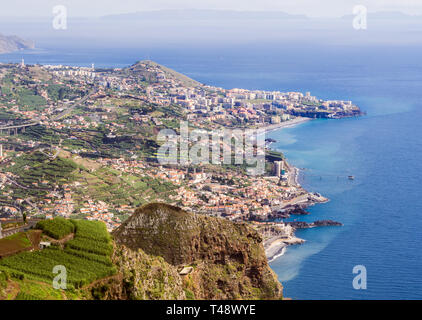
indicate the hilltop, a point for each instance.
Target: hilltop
{"x":149,"y":68}
{"x":14,"y":43}
{"x":222,"y":259}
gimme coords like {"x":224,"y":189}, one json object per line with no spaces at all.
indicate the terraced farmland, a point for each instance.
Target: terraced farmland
{"x":86,"y":258}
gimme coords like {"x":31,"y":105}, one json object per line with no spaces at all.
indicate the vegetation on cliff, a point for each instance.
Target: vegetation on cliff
{"x":144,"y":277}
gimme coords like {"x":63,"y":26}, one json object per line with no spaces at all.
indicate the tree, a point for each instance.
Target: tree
{"x":206,"y":188}
{"x":61,"y":94}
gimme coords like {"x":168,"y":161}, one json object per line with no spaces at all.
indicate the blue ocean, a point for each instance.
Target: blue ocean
{"x":381,"y":209}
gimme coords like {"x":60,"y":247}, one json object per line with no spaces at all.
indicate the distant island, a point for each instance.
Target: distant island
{"x":204,"y":14}
{"x":14,"y":43}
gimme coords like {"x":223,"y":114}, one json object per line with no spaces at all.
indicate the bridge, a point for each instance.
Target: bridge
{"x":30,"y":224}
{"x":15,"y":127}
{"x":26,"y":227}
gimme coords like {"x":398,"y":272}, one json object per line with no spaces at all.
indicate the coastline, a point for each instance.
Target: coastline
{"x":276,"y":247}
{"x":275,"y":250}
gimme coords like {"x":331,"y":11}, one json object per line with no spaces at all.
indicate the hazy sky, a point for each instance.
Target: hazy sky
{"x":314,"y":8}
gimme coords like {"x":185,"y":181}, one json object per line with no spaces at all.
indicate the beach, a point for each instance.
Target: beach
{"x":276,"y":247}
{"x":284,"y":124}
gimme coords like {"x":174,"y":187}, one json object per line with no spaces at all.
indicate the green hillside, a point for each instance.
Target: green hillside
{"x":170,"y":73}
{"x":87,"y":257}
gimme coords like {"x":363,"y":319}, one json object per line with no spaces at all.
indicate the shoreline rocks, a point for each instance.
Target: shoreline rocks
{"x":318,"y":223}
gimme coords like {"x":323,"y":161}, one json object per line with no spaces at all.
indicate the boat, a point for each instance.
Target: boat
{"x":351,"y":177}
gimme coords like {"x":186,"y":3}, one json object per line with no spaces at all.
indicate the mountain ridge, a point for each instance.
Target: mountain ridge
{"x":204,"y":14}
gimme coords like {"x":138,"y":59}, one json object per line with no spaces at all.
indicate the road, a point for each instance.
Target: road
{"x":69,"y":109}
{"x":300,"y":199}
{"x":29,"y":225}
{"x":54,"y":118}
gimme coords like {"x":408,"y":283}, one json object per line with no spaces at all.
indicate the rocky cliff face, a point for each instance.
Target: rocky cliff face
{"x":13,"y":43}
{"x":145,"y":277}
{"x":227,"y":259}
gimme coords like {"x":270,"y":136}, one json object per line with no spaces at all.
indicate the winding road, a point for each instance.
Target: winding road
{"x":53,"y":118}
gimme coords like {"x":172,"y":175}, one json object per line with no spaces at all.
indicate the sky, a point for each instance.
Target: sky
{"x":312,"y":8}
{"x":18,"y":17}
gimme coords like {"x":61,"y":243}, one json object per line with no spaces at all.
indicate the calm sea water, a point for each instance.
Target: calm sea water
{"x":381,"y":208}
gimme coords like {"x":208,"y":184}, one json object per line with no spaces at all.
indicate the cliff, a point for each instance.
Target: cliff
{"x":221,"y":259}
{"x":14,"y":43}
{"x":140,"y":277}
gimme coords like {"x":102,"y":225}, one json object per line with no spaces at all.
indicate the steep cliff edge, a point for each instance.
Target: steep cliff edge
{"x":140,"y":277}
{"x":221,"y":259}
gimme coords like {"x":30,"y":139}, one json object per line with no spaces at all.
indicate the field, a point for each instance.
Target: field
{"x":14,"y":243}
{"x":86,"y":258}
{"x":37,"y":175}
{"x":56,"y":228}
{"x":116,"y":188}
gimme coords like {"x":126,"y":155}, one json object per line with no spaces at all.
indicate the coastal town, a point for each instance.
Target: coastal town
{"x":82,"y":142}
